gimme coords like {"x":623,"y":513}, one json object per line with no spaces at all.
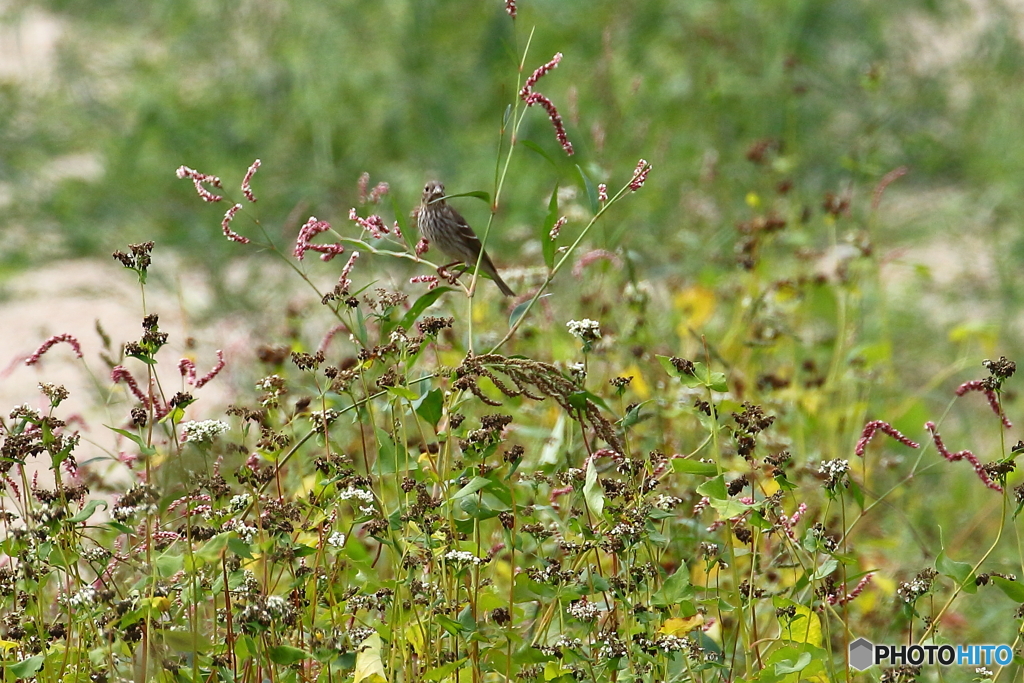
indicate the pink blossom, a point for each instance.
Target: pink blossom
{"x":310,"y":229}
{"x":121,"y":374}
{"x":328,"y":337}
{"x":557,"y":228}
{"x":431,"y":279}
{"x":993,"y":400}
{"x":875,"y":425}
{"x":701,"y":505}
{"x":962,"y":455}
{"x":363,"y":185}
{"x":594,"y":256}
{"x":639,"y":175}
{"x":246,"y":189}
{"x":344,"y":282}
{"x":55,"y":339}
{"x":861,"y":585}
{"x":188,"y":370}
{"x":422,"y":247}
{"x":894,"y":174}
{"x":374,"y":224}
{"x":379,"y":190}
{"x":510,"y":7}
{"x":531,"y":98}
{"x":198,"y":179}
{"x":602,"y":193}
{"x":225,"y":225}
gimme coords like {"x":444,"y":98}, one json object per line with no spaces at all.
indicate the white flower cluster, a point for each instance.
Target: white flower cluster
{"x":663,"y":502}
{"x":462,"y":557}
{"x":564,"y":643}
{"x":84,"y":597}
{"x":912,"y":590}
{"x":582,"y":609}
{"x":833,"y":469}
{"x":586,"y":329}
{"x":365,"y":499}
{"x":202,"y":431}
{"x":336,"y":539}
{"x":245,"y":532}
{"x":670,"y":643}
{"x":239,"y":502}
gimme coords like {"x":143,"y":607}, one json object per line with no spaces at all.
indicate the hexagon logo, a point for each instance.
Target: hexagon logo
{"x":862,"y":654}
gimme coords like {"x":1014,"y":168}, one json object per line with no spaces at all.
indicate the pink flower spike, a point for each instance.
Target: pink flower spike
{"x":198,"y":179}
{"x":602,"y":193}
{"x":374,"y":224}
{"x":344,"y":282}
{"x":308,"y":231}
{"x":878,"y":425}
{"x":639,"y":175}
{"x":422,"y":247}
{"x":55,"y":339}
{"x":557,"y":228}
{"x":246,"y":189}
{"x":993,"y":400}
{"x":363,"y":185}
{"x":979,"y":469}
{"x":121,"y":374}
{"x":531,"y":98}
{"x":510,"y":7}
{"x":594,"y":256}
{"x":212,"y":373}
{"x":325,"y":342}
{"x":225,"y":225}
{"x":379,"y":190}
{"x":538,"y":74}
{"x":431,"y":279}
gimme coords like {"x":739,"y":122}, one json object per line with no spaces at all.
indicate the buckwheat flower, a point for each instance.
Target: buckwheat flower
{"x":578,"y":371}
{"x":582,"y":609}
{"x":239,"y":502}
{"x":83,"y":598}
{"x":364,"y":499}
{"x":198,"y":179}
{"x":202,"y":431}
{"x":602,"y":193}
{"x":664,"y":502}
{"x":983,"y":672}
{"x":878,"y":425}
{"x":834,"y":472}
{"x":462,"y":557}
{"x":225,"y":225}
{"x":586,"y":329}
{"x":431,"y":280}
{"x":55,"y":339}
{"x":669,"y":643}
{"x":557,"y":228}
{"x":246,"y":189}
{"x":639,"y":175}
{"x":336,"y":539}
{"x":245,"y":532}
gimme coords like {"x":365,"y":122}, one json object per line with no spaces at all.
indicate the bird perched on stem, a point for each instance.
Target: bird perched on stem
{"x":446,"y":229}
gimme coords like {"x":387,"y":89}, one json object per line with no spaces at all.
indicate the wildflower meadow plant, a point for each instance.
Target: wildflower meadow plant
{"x":400,"y":498}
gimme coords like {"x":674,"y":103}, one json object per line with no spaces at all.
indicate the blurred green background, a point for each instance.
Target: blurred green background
{"x":324,"y":91}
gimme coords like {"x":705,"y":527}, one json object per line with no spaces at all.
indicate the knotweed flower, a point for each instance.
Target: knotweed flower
{"x":639,"y":175}
{"x":55,"y":339}
{"x":531,"y":98}
{"x":990,"y":394}
{"x":430,"y":279}
{"x":198,"y":179}
{"x":308,"y":231}
{"x":188,"y":370}
{"x":246,"y":189}
{"x":593,"y":257}
{"x":979,"y":469}
{"x":878,"y":425}
{"x":225,"y":225}
{"x":556,"y":228}
{"x":121,"y":374}
{"x":602,"y":193}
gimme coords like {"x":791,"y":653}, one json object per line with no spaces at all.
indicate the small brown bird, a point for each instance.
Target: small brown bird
{"x":443,"y":227}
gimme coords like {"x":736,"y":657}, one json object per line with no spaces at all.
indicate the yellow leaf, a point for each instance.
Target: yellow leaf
{"x":414,"y":634}
{"x":804,"y":627}
{"x":369,"y":666}
{"x":638,"y":384}
{"x":769,"y":487}
{"x":680,"y":627}
{"x":696,"y":303}
{"x":9,"y":644}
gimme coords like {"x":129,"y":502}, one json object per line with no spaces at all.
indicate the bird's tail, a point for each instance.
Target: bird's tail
{"x":505,"y":289}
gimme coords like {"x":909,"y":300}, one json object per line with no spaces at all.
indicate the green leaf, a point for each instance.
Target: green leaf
{"x":87,"y":511}
{"x":1013,"y":589}
{"x":186,"y":641}
{"x":212,"y":550}
{"x":240,"y":548}
{"x":421,"y":304}
{"x":958,"y":571}
{"x":472,"y":487}
{"x":675,"y":589}
{"x":593,"y":493}
{"x":143,"y":448}
{"x":520,"y":310}
{"x":285,"y":655}
{"x":466,"y":619}
{"x":788,"y":666}
{"x":824,"y":570}
{"x":403,"y":392}
{"x":533,"y":146}
{"x":703,"y":469}
{"x":442,"y":672}
{"x":448,"y":624}
{"x":391,"y":457}
{"x":479,"y":194}
{"x":548,"y":244}
{"x":591,"y":190}
{"x":857,"y":492}
{"x":430,"y":406}
{"x":714,"y":488}
{"x":26,"y":668}
{"x":403,"y":224}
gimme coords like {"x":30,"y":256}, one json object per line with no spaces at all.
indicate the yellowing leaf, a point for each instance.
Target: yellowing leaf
{"x":638,"y":384}
{"x":696,"y":304}
{"x":369,"y":666}
{"x":680,"y":627}
{"x":769,"y":487}
{"x":414,"y":634}
{"x":804,"y":627}
{"x":8,"y":644}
